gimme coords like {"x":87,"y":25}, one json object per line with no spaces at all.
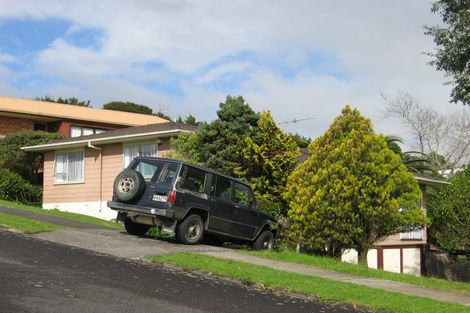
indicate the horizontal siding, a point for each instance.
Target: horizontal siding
{"x":112,"y":165}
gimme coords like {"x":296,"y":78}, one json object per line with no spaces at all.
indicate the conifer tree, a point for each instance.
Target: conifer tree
{"x":352,"y":191}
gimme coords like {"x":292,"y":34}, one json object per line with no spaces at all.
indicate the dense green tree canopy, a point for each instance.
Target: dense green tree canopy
{"x":453,"y":45}
{"x":449,"y":212}
{"x":219,"y":141}
{"x":352,"y":190}
{"x":133,"y":108}
{"x":268,"y":157}
{"x":71,"y":101}
{"x":27,"y":164}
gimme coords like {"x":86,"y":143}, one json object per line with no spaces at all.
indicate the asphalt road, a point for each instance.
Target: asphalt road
{"x":41,"y":276}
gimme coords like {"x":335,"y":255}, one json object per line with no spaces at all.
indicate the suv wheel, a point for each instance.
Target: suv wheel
{"x":190,"y":231}
{"x":265,"y":241}
{"x":129,"y":185}
{"x":135,"y":228}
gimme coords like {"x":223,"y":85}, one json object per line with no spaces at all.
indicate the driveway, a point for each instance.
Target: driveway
{"x":38,"y":276}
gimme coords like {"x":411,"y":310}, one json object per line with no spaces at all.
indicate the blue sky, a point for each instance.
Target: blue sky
{"x":296,"y":58}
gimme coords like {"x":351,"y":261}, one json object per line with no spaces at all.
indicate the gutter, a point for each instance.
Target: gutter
{"x":87,"y":142}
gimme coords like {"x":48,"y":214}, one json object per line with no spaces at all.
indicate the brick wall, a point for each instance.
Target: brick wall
{"x":11,"y":125}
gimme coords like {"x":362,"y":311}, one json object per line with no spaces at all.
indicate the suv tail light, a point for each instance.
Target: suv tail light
{"x":171,"y":197}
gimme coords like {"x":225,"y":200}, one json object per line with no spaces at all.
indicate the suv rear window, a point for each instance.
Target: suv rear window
{"x":149,"y":168}
{"x":193,"y":179}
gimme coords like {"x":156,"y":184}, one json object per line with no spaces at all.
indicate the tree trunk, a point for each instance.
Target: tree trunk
{"x":362,"y":256}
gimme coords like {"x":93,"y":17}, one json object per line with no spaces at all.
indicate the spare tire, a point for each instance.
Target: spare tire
{"x":129,"y":185}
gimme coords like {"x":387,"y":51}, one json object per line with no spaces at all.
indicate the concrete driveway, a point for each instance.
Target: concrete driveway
{"x":119,"y":243}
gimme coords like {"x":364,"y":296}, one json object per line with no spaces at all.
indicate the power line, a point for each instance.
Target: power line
{"x":295,"y":120}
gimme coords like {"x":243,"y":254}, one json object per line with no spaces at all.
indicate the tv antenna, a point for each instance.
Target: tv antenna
{"x":296,"y":120}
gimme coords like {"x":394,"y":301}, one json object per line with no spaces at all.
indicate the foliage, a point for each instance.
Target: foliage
{"x":442,"y":139}
{"x":14,"y":188}
{"x":71,"y":101}
{"x":414,"y":161}
{"x":185,"y":147}
{"x":267,"y":158}
{"x":349,"y":191}
{"x":449,"y":212}
{"x":133,"y":108}
{"x":453,"y":45}
{"x":27,"y":164}
{"x":220,"y":141}
{"x":301,"y":141}
{"x":190,"y":120}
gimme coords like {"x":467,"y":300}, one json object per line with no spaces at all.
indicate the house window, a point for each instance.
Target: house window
{"x":77,"y":131}
{"x":131,"y":152}
{"x":68,"y":167}
{"x":416,"y":234}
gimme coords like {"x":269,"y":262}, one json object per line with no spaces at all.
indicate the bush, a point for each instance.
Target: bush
{"x":14,"y":188}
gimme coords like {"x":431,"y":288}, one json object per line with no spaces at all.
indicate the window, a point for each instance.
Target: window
{"x":243,"y":195}
{"x":68,"y":167}
{"x":194,"y":179}
{"x":223,"y":188}
{"x":149,"y":168}
{"x":416,"y":234}
{"x":131,"y":152}
{"x":169,"y":174}
{"x":77,"y":131}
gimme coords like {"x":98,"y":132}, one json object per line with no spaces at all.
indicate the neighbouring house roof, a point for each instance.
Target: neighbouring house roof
{"x":167,"y":129}
{"x":428,"y":180}
{"x":49,"y":111}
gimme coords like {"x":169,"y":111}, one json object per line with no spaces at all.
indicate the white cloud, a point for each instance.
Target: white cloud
{"x":375,"y":46}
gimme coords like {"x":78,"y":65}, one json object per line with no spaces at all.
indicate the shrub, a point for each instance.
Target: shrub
{"x":14,"y":188}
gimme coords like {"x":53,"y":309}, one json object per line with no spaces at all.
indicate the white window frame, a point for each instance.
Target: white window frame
{"x":83,"y":129}
{"x":127,"y":146}
{"x":416,"y":234}
{"x":68,"y":182}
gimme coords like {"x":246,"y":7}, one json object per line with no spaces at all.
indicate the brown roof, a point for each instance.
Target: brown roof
{"x":48,"y":110}
{"x":167,"y":129}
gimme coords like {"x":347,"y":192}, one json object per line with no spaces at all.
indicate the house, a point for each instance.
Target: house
{"x":79,"y":172}
{"x":68,"y":120}
{"x":402,"y":252}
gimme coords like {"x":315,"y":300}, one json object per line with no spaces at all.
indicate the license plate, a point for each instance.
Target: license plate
{"x":159,"y":198}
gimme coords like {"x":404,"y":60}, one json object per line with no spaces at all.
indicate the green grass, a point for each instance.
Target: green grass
{"x":327,"y":290}
{"x":66,"y":215}
{"x":25,"y":225}
{"x":354,"y":269}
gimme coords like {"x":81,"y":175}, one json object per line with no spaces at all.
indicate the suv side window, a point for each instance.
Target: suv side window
{"x":223,"y":188}
{"x":193,"y":179}
{"x":243,"y":195}
{"x":169,"y":174}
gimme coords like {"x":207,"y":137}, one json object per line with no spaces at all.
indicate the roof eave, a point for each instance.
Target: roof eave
{"x":102,"y":141}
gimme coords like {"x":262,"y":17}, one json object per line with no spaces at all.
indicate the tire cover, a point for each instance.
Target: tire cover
{"x":129,"y":185}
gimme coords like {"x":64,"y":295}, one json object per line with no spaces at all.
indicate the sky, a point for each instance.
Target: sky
{"x":299,"y":59}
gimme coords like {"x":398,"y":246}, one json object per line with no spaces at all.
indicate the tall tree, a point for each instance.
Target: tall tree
{"x":453,"y":45}
{"x":133,"y":108}
{"x":443,"y":138}
{"x":449,"y":211}
{"x":219,"y":141}
{"x":349,"y":192}
{"x":28,"y":164}
{"x":71,"y":101}
{"x":268,"y":157}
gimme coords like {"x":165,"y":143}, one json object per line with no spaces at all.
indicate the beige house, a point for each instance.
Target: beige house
{"x":402,"y":252}
{"x":79,"y":172}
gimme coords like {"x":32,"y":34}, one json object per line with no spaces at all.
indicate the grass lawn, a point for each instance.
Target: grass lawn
{"x":354,"y":269}
{"x":66,"y":215}
{"x":321,"y":288}
{"x":26,"y":225}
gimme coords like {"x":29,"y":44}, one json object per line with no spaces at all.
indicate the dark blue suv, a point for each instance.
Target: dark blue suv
{"x":190,"y":201}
